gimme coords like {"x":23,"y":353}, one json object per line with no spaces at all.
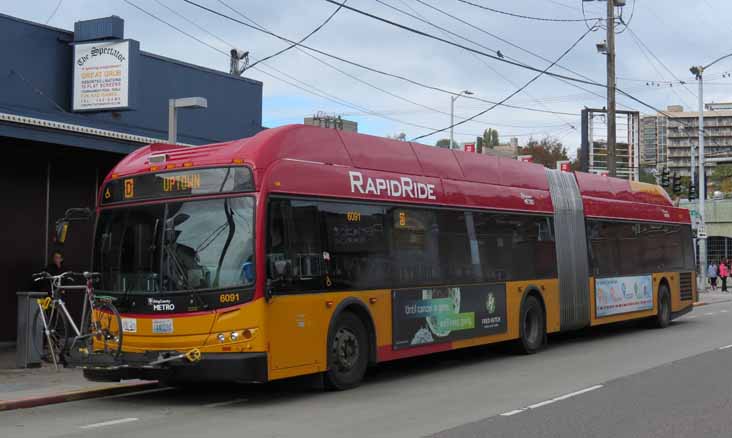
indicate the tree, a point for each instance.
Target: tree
{"x":722,"y":177}
{"x":445,"y":143}
{"x":490,"y":138}
{"x":546,"y":151}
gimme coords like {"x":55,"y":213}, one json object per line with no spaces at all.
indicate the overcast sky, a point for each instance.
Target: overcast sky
{"x":677,"y":33}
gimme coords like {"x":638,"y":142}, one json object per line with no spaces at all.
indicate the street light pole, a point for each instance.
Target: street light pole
{"x":452,"y":113}
{"x":173,"y":106}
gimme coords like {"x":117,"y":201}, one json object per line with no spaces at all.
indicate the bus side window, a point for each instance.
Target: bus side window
{"x":294,"y":253}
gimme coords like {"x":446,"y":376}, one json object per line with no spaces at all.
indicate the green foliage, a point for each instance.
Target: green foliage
{"x":722,"y":177}
{"x":445,"y":143}
{"x":490,"y":138}
{"x":546,"y":151}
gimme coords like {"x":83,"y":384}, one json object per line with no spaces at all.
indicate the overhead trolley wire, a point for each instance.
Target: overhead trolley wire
{"x":303,"y":39}
{"x":304,"y":86}
{"x":365,"y":67}
{"x":527,"y":17}
{"x":517,"y":91}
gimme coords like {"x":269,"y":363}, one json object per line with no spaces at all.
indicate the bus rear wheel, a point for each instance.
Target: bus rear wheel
{"x":663,"y":317}
{"x":347,"y":352}
{"x":532,"y":326}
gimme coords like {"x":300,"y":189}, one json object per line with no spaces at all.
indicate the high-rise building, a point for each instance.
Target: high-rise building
{"x":682,"y":133}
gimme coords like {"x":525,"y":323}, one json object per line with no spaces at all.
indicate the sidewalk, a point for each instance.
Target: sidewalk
{"x":24,"y":388}
{"x":709,"y":297}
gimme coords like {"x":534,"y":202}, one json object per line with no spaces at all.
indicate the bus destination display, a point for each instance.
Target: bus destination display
{"x":178,"y":184}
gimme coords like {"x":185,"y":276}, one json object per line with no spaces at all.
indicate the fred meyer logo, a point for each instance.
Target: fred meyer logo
{"x":403,"y":187}
{"x":161,"y":304}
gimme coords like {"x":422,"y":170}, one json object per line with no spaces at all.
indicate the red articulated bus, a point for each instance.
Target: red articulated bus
{"x":305,"y":250}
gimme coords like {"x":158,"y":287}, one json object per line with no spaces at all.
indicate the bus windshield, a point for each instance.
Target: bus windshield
{"x":176,"y":246}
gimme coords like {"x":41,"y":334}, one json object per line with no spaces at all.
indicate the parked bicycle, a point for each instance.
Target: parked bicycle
{"x":100,"y":328}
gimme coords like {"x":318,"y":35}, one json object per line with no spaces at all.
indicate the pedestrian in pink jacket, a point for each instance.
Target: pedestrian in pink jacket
{"x":723,"y":274}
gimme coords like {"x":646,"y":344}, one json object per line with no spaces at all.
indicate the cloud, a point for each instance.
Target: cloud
{"x":678,"y":33}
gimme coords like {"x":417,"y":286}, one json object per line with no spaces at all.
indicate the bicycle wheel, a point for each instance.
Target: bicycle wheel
{"x":55,"y":342}
{"x":106,"y":329}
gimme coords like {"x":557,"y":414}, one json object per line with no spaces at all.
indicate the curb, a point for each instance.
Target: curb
{"x":31,"y":402}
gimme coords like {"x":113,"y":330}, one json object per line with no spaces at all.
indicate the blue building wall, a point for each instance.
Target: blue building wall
{"x":36,"y":81}
{"x":47,"y":170}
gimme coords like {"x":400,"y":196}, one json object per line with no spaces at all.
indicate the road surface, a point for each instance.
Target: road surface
{"x":619,"y":381}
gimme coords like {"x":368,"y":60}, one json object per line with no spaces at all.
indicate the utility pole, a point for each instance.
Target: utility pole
{"x":701,"y":236}
{"x":611,"y":130}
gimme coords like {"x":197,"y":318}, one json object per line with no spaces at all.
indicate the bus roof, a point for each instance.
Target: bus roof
{"x":370,"y":167}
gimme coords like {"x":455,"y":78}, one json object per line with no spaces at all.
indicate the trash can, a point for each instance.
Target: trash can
{"x":30,"y":335}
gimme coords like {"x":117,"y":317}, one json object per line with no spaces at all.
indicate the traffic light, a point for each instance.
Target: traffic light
{"x":692,"y":191}
{"x":479,"y":144}
{"x":664,"y":177}
{"x":676,"y":184}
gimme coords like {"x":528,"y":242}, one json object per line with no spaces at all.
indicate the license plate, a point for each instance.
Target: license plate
{"x":129,"y":325}
{"x":162,"y":326}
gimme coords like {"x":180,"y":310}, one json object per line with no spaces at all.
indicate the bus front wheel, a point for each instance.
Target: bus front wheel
{"x":532,"y":326}
{"x":347,"y":352}
{"x":663,"y":317}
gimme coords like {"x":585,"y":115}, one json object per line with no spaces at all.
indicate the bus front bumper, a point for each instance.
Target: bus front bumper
{"x":222,"y":367}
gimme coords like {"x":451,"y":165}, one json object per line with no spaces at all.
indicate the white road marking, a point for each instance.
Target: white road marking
{"x":709,"y":313}
{"x":110,"y":423}
{"x":724,"y":311}
{"x":691,"y":317}
{"x":224,"y":403}
{"x":725,"y":347}
{"x":550,"y":401}
{"x":514,"y":412}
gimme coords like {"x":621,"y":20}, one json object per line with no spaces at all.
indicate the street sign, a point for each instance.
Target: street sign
{"x":564,"y":166}
{"x":469,"y":147}
{"x":701,"y":232}
{"x":525,"y":158}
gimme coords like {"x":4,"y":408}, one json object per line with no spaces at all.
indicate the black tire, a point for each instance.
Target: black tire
{"x":532,"y":326}
{"x":108,"y":332}
{"x":59,"y":330}
{"x":663,"y":316}
{"x":348,"y":351}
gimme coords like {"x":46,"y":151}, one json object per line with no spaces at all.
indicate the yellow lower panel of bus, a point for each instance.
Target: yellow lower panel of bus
{"x":297,"y":325}
{"x":241,"y":327}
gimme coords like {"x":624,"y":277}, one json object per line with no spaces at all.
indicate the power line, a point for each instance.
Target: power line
{"x":407,"y":28}
{"x":368,"y":68}
{"x":481,"y":59}
{"x":303,"y":39}
{"x":528,"y":67}
{"x":53,"y":14}
{"x":527,"y":17}
{"x":637,"y":38}
{"x":304,"y":87}
{"x":532,"y":80}
{"x":532,"y":53}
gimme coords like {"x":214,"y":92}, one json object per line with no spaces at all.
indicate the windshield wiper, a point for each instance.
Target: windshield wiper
{"x":232,"y":229}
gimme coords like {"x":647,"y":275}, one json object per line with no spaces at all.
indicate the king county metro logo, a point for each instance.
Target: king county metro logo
{"x":490,"y":303}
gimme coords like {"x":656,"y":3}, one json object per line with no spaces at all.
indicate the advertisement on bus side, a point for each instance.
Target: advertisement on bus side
{"x":440,"y":314}
{"x":616,"y":295}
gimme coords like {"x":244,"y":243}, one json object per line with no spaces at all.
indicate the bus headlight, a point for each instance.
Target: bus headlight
{"x":234,"y":336}
{"x":221,"y":337}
